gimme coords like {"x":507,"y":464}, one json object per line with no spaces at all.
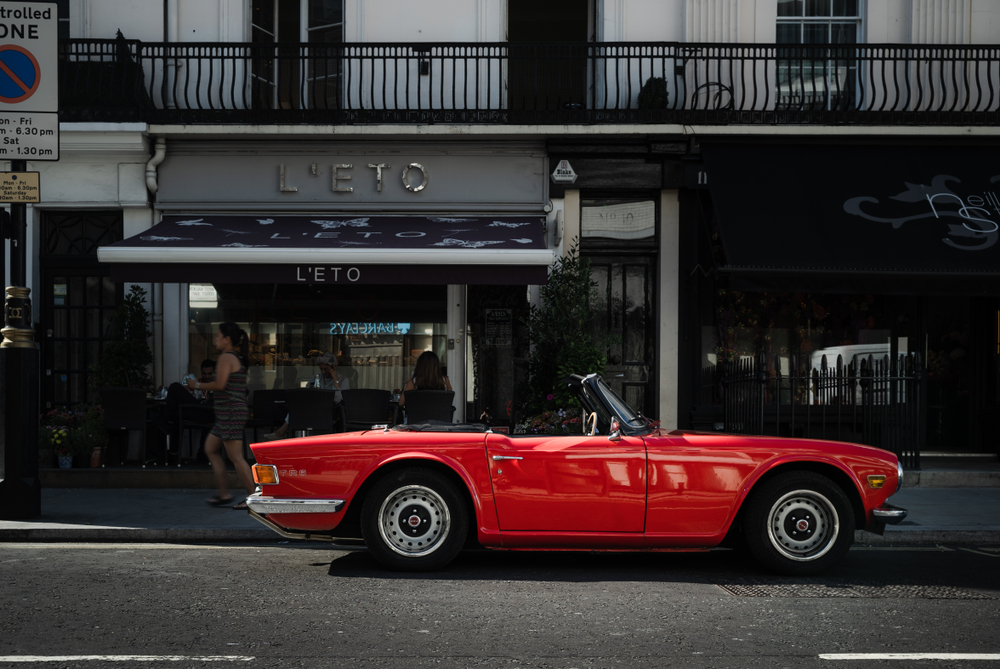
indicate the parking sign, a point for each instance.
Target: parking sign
{"x":29,"y":82}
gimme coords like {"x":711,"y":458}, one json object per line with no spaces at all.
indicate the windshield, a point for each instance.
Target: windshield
{"x":630,"y":417}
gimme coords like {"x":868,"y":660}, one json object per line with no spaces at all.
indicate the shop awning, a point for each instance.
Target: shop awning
{"x":335,"y":249}
{"x":850,"y":218}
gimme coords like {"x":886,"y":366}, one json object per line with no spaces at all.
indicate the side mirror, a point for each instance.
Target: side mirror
{"x":615,"y":434}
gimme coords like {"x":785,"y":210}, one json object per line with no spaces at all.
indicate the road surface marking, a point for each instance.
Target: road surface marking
{"x":125,"y":658}
{"x":910,"y":656}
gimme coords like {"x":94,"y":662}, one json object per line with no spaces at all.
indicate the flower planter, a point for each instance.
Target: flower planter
{"x":65,"y":461}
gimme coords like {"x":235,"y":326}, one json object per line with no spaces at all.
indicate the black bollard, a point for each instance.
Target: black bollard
{"x":20,"y":488}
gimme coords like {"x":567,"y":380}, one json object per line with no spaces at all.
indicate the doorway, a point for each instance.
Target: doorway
{"x":548,"y":57}
{"x":78,"y":302}
{"x":279,"y":28}
{"x":624,"y":308}
{"x":962,"y":343}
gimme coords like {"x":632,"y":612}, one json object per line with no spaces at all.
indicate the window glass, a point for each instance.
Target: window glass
{"x":817,"y":8}
{"x":63,"y":13}
{"x":376,"y":332}
{"x":325,"y":12}
{"x":808,"y":82}
{"x":263,"y":21}
{"x":789,"y":7}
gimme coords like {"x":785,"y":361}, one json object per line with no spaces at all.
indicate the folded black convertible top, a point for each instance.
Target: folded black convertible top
{"x":441,"y":426}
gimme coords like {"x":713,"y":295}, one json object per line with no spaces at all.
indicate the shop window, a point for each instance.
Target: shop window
{"x":820,"y":78}
{"x":795,"y":331}
{"x":287,"y":75}
{"x":376,"y":332}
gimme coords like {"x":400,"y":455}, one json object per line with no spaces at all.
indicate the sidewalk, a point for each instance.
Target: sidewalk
{"x":936,"y":516}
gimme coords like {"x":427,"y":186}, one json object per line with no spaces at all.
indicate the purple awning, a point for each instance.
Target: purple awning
{"x":335,"y":249}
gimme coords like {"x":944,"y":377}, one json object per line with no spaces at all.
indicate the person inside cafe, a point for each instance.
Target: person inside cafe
{"x":331,"y":380}
{"x":427,"y":375}
{"x":197,"y":407}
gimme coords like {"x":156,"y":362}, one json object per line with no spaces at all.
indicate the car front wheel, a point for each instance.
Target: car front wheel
{"x":799,"y":523}
{"x":414,"y":520}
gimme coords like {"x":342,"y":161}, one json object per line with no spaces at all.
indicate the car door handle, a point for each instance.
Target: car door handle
{"x":507,"y":457}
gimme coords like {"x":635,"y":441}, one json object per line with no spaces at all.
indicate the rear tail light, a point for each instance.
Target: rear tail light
{"x":265,"y":474}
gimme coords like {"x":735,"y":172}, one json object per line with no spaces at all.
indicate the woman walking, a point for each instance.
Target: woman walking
{"x":230,"y":391}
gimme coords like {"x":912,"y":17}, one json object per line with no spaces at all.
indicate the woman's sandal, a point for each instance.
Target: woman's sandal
{"x":219,"y":501}
{"x":242,"y":506}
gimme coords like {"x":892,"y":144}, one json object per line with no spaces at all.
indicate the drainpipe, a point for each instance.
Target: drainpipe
{"x":159,"y":154}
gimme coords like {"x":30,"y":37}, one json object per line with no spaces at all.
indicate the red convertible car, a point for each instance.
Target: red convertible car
{"x":416,"y":494}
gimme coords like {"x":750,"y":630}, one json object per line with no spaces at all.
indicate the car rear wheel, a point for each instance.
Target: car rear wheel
{"x":414,"y":520}
{"x":799,"y":523}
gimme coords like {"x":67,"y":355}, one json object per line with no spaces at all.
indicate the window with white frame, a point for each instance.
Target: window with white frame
{"x":286,"y":74}
{"x":822,"y":74}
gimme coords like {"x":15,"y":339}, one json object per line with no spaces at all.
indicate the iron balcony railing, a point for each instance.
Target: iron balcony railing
{"x":869,"y":400}
{"x":503,"y":83}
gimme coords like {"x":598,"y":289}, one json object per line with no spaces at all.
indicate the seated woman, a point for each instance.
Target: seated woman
{"x":331,"y":381}
{"x":427,"y":375}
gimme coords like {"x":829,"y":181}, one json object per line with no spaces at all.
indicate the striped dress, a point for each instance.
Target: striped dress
{"x":231,"y":407}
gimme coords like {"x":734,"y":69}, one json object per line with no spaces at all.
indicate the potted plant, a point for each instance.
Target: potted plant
{"x":62,"y":446}
{"x":563,"y":342}
{"x":88,"y":439}
{"x":54,"y":436}
{"x":125,"y":359}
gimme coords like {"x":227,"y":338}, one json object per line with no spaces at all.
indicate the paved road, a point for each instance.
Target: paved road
{"x":302,"y":605}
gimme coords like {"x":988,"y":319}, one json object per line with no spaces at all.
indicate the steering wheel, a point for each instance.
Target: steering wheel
{"x":592,"y":424}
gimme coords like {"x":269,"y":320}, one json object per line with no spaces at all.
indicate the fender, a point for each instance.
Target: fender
{"x":487,"y":523}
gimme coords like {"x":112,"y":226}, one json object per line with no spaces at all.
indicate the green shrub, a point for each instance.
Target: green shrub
{"x":653,"y":94}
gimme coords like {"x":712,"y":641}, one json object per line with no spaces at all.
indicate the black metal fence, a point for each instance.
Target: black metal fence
{"x":498,"y":83}
{"x":874,"y":401}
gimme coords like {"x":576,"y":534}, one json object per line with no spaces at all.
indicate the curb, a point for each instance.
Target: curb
{"x":927,"y":537}
{"x":263,"y":535}
{"x":138,"y":535}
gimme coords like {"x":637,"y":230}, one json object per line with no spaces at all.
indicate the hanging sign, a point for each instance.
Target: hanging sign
{"x":564,"y":173}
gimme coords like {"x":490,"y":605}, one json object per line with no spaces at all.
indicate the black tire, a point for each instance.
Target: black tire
{"x":414,"y":520}
{"x":799,"y":523}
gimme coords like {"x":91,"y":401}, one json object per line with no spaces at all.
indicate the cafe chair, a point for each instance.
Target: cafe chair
{"x":194,"y":417}
{"x":125,"y":412}
{"x":364,"y":407}
{"x":267,"y":411}
{"x":311,"y":410}
{"x":424,"y":405}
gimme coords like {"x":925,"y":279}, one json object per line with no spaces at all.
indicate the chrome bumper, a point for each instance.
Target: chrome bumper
{"x":261,"y":504}
{"x":887,"y":513}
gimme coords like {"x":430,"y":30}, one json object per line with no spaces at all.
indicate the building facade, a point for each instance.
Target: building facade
{"x":375,"y":178}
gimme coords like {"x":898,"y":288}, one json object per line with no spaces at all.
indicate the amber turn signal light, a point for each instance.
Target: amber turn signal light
{"x":876,"y":481}
{"x":268,"y":474}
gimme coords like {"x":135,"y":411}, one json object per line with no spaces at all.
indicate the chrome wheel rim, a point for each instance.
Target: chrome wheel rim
{"x":414,"y":521}
{"x":803,"y":525}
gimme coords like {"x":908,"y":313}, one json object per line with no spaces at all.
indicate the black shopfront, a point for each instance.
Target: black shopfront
{"x":371,"y":252}
{"x":803,"y":253}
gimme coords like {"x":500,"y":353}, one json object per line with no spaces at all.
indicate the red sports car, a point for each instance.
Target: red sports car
{"x":416,"y":494}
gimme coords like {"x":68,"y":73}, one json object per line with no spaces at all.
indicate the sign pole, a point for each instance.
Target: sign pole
{"x":20,"y":487}
{"x":29,"y":106}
